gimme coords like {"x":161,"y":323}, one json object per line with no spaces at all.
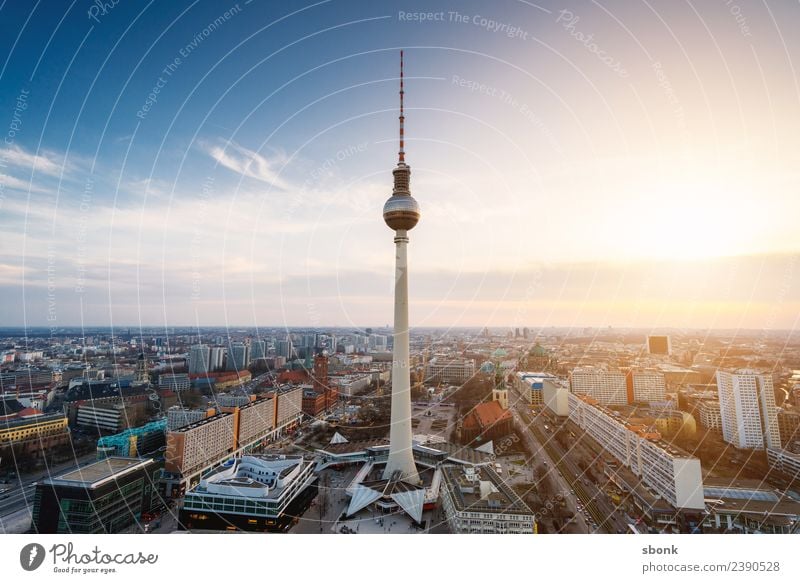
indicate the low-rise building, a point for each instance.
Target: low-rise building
{"x":478,"y":501}
{"x":251,"y":493}
{"x":749,"y":507}
{"x":174,"y":382}
{"x":486,"y":421}
{"x":104,"y":497}
{"x":530,"y":386}
{"x":709,"y":413}
{"x":133,"y":442}
{"x":29,"y":432}
{"x":313,"y":402}
{"x":449,"y":370}
{"x":786,"y":461}
{"x":104,"y":416}
{"x":789,"y":426}
{"x":350,"y":385}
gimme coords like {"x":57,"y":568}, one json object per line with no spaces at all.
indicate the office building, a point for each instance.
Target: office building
{"x":659,"y":345}
{"x":378,"y":342}
{"x":451,"y":371}
{"x":530,"y":386}
{"x":747,"y":407}
{"x":109,"y":414}
{"x":134,"y":442}
{"x":104,"y":497}
{"x":105,"y":416}
{"x":174,"y":382}
{"x":350,"y":385}
{"x":24,"y":379}
{"x":478,"y":501}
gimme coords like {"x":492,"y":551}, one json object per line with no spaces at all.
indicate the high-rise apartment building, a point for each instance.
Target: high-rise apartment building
{"x":608,"y":387}
{"x":285,"y":349}
{"x":645,"y":386}
{"x":199,"y":359}
{"x":238,"y":356}
{"x":258,"y":349}
{"x":747,"y":407}
{"x":216,"y":358}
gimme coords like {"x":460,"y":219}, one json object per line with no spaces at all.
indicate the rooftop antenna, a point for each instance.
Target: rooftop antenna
{"x":402,"y":152}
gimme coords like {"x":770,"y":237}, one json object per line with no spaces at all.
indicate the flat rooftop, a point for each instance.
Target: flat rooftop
{"x":749,"y":496}
{"x":468,"y":496}
{"x":196,"y":424}
{"x":96,"y":473}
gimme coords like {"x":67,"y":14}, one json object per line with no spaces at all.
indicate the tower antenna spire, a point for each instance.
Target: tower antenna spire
{"x":402,"y":153}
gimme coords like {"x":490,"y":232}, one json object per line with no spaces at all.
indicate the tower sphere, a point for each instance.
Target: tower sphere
{"x":401,"y":212}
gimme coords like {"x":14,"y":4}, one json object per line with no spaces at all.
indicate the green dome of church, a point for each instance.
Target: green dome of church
{"x":538,"y":350}
{"x":487,"y":367}
{"x":499,"y":353}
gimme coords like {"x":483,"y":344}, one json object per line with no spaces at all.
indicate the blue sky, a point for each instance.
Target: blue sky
{"x":566,"y":156}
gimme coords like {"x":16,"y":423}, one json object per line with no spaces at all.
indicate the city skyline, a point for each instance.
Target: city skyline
{"x":564,"y":191}
{"x":224,"y":309}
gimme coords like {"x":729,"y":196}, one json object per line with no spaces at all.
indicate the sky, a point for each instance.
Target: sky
{"x":615,"y":163}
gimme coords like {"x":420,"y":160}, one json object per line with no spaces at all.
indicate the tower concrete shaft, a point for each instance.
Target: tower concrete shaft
{"x":401,"y":455}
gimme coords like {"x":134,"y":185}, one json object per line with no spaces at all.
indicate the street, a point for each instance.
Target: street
{"x":16,"y":503}
{"x":552,"y":469}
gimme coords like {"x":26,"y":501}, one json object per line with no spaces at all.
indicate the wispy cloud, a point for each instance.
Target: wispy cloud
{"x":45,"y":162}
{"x":248,"y":163}
{"x":13,"y":183}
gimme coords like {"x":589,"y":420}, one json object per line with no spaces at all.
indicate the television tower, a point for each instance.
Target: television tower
{"x":401,"y":214}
